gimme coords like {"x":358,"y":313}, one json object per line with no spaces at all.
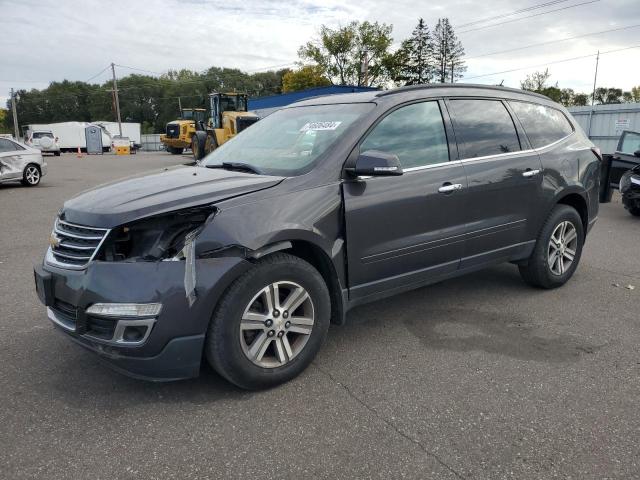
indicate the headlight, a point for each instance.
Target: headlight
{"x":156,"y":238}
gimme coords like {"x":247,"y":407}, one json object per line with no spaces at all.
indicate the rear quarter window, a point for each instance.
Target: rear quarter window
{"x":543,"y":125}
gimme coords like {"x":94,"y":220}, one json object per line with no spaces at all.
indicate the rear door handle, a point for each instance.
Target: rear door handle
{"x":449,"y":187}
{"x":530,"y":173}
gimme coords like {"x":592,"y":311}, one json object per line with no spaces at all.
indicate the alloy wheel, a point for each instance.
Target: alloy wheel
{"x":32,"y":175}
{"x":562,"y":248}
{"x":277,"y":324}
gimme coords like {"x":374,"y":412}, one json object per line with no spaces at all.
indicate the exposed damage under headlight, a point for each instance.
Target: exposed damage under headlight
{"x":161,"y":237}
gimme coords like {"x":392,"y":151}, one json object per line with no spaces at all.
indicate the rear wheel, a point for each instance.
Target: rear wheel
{"x":557,"y":251}
{"x":270,"y":323}
{"x":57,"y":154}
{"x":31,"y":175}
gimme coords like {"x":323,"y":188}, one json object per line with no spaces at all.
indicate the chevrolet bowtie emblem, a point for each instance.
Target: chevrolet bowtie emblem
{"x":54,"y":241}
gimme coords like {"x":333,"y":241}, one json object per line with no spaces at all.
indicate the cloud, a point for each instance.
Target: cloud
{"x":50,"y":40}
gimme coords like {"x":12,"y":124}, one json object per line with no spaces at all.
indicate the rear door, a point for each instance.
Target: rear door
{"x":505,"y":180}
{"x":406,"y":229}
{"x":11,"y":160}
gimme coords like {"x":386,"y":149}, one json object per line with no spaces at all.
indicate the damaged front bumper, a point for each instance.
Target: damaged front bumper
{"x":158,"y":343}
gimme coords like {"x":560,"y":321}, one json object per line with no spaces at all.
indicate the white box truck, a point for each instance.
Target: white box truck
{"x":71,"y":135}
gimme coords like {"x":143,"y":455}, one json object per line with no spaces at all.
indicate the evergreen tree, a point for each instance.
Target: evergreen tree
{"x":448,"y":52}
{"x":415,"y":57}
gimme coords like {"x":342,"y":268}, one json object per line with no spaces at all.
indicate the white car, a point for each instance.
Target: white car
{"x":43,"y":141}
{"x":19,"y":162}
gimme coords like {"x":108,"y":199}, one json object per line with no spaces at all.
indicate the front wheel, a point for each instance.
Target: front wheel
{"x":31,"y":176}
{"x":557,"y":251}
{"x":270,"y":323}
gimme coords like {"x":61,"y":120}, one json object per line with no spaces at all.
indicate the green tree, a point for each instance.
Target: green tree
{"x":357,"y":54}
{"x":606,"y":95}
{"x":4,"y":123}
{"x":414,"y":58}
{"x":580,"y":99}
{"x":305,"y":77}
{"x":536,"y":81}
{"x":448,"y":53}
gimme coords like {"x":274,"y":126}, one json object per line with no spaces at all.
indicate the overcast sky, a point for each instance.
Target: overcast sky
{"x":49,"y":40}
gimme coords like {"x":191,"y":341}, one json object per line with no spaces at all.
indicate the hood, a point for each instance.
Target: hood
{"x":123,"y":201}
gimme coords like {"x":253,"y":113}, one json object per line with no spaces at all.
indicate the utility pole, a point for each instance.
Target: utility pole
{"x":179,"y":105}
{"x":453,"y":66}
{"x":364,"y":68}
{"x":595,"y":79}
{"x":115,"y":93}
{"x":593,"y":94}
{"x":15,"y":116}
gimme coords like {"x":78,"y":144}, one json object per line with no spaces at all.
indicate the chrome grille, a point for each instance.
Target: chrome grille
{"x":74,"y":246}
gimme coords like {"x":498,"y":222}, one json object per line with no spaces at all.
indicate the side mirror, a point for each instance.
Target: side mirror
{"x":374,"y":163}
{"x":636,"y":153}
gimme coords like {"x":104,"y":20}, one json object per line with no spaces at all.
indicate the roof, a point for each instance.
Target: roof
{"x":424,"y":91}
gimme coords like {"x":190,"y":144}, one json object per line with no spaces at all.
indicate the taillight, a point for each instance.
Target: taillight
{"x":596,"y":151}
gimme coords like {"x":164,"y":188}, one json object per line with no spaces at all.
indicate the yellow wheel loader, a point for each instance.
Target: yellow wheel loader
{"x":178,"y":133}
{"x":229,"y":116}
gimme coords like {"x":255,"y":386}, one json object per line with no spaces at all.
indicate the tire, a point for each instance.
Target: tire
{"x":31,"y":175}
{"x":210,"y":143}
{"x":229,"y":349}
{"x":197,"y":147}
{"x":175,"y":150}
{"x":57,"y":154}
{"x":635,"y":210}
{"x":540,"y":271}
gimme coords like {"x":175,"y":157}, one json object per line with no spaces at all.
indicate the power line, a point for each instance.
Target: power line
{"x":139,"y":69}
{"x":515,"y":12}
{"x":528,"y":16}
{"x":551,"y":63}
{"x":552,"y":41}
{"x":98,"y":74}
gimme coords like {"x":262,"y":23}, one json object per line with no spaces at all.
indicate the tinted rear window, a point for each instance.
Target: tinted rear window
{"x":543,"y":125}
{"x":484,"y":127}
{"x":42,"y":135}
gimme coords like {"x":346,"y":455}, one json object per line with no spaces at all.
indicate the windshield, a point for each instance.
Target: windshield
{"x":233,"y":103}
{"x":289,"y":141}
{"x":196,"y":115}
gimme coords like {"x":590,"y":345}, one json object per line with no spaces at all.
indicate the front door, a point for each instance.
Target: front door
{"x":505,"y":181}
{"x":407,"y":229}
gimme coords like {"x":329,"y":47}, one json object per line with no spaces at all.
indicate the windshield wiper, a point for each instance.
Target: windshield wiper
{"x":239,"y":166}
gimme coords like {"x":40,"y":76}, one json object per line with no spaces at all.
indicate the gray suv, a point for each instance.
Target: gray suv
{"x":246,"y":258}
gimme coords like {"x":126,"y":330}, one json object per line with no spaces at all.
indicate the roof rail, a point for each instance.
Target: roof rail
{"x":409,"y":88}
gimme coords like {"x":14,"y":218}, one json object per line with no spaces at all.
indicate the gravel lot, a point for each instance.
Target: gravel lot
{"x":478,"y":377}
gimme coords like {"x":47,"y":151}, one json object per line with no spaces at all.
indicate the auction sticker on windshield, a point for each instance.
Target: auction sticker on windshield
{"x":320,"y":126}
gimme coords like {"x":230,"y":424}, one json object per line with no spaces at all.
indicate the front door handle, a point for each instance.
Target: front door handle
{"x":530,"y":173}
{"x":449,"y":187}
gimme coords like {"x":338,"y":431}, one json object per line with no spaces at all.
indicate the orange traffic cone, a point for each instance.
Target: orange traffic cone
{"x":79,"y":154}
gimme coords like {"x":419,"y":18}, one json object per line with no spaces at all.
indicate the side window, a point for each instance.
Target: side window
{"x":484,"y":127}
{"x":630,"y":143}
{"x":544,"y":125}
{"x":6,"y":145}
{"x":415,"y":133}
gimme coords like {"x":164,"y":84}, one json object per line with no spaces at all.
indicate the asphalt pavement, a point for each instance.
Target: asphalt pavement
{"x":477,"y":377}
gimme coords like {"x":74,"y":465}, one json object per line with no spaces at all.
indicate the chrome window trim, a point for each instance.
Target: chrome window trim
{"x":510,"y":154}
